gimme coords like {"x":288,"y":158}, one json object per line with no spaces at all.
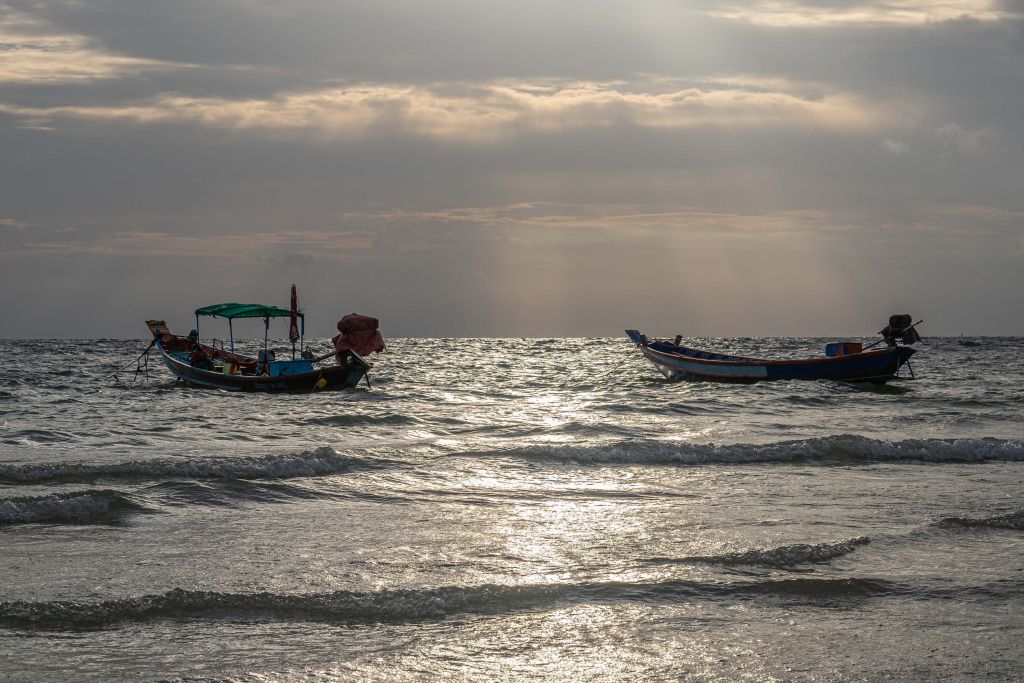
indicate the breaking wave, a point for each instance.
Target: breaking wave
{"x":78,"y":507}
{"x":387,"y":606}
{"x":229,"y":492}
{"x":783,"y":557}
{"x":1012,"y":520}
{"x":843,"y":448}
{"x":318,"y":462}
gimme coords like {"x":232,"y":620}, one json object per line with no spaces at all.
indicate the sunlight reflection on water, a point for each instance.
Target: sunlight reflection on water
{"x":512,"y":509}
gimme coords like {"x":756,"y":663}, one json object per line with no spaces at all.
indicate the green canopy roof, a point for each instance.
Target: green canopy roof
{"x":245,"y":311}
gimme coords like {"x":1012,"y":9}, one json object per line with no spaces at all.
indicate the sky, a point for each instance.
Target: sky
{"x":537,"y":169}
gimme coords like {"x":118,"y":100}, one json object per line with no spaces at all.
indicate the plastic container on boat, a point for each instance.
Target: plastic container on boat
{"x":843,"y":349}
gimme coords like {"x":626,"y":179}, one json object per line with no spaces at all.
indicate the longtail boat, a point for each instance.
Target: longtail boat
{"x":207,"y":365}
{"x":843,"y":362}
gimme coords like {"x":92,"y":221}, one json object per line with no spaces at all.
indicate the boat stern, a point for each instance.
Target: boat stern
{"x":903,"y":354}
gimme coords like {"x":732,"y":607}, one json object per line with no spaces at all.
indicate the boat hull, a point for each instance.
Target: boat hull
{"x":328,"y":378}
{"x":681,"y":363}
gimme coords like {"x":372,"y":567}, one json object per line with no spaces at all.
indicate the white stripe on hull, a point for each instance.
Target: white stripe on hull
{"x":676,"y":368}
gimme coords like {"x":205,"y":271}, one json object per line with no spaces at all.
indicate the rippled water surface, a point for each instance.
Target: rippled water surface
{"x":513,"y":508}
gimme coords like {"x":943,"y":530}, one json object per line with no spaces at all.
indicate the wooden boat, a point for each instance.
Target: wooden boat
{"x":205,"y":365}
{"x":844,"y":362}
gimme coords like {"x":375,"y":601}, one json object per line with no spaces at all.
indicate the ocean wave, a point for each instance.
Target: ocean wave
{"x":39,"y":436}
{"x":229,"y":492}
{"x":354,"y":420}
{"x":77,"y":507}
{"x":410,"y":605}
{"x":1012,"y":520}
{"x":318,"y":462}
{"x":845,"y":448}
{"x":783,"y":557}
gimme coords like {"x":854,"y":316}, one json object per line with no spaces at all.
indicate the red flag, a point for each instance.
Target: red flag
{"x":293,"y":328}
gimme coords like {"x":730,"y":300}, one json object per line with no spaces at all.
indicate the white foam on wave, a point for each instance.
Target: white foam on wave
{"x":62,"y":507}
{"x":843,"y":448}
{"x":788,"y":555}
{"x":318,"y":462}
{"x":1012,"y":520}
{"x":403,"y":605}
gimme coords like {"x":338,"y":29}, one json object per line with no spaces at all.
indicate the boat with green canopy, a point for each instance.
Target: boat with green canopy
{"x":233,"y":311}
{"x":216,"y":365}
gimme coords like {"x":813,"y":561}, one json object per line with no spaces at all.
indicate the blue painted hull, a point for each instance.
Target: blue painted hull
{"x":325,"y":379}
{"x":683,"y":363}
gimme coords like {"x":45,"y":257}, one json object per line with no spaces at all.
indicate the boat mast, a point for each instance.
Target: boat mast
{"x":293,"y":314}
{"x":266,"y":332}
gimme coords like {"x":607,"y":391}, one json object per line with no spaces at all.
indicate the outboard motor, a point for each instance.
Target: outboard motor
{"x":900,"y":330}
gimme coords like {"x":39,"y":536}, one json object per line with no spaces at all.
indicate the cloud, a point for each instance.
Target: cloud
{"x":289,"y":247}
{"x":975,"y":141}
{"x":383,"y":230}
{"x":34,"y":52}
{"x":486,"y":112}
{"x":544,"y":224}
{"x":894,"y":147}
{"x":394,"y":229}
{"x":804,"y":14}
{"x":616,"y":222}
{"x":11,"y":224}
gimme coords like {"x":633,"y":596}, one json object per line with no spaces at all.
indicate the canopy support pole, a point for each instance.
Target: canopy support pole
{"x":266,"y":333}
{"x":231,"y":333}
{"x":197,"y":328}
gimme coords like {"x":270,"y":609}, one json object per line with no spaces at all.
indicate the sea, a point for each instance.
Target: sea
{"x":512,"y":509}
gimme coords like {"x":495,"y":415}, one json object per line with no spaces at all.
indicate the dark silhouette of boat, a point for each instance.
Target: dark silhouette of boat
{"x":843,"y":362}
{"x":206,"y":365}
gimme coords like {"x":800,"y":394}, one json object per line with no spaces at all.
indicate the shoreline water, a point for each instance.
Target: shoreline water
{"x":528,"y":508}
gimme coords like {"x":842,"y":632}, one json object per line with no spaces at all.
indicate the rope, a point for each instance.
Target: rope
{"x":618,"y":366}
{"x":142,"y":367}
{"x":139,"y":365}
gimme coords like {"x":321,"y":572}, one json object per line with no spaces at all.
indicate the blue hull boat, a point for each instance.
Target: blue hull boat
{"x":679,"y":362}
{"x":206,"y":365}
{"x":281,"y":376}
{"x":236,"y":372}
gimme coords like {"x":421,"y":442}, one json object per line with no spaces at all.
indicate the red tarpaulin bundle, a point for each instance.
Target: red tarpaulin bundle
{"x":358,"y":333}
